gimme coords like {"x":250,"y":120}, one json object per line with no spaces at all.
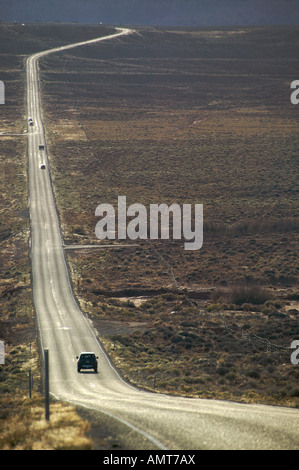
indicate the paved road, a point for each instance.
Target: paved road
{"x":163,"y":422}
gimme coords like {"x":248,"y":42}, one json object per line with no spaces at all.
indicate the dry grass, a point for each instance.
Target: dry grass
{"x":203,"y":350}
{"x":29,"y":430}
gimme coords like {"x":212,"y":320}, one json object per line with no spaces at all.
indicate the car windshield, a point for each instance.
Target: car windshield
{"x":87,"y":356}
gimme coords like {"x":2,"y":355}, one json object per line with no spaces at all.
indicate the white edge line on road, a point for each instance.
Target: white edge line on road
{"x":149,"y":437}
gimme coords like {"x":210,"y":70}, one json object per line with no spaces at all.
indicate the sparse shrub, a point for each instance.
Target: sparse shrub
{"x":293,"y":295}
{"x":249,"y":295}
{"x":294,"y":392}
{"x":222,"y":370}
{"x":253,"y":373}
{"x":247,"y":307}
{"x":231,"y":376}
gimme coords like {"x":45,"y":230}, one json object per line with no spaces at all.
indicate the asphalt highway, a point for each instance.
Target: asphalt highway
{"x":162,"y":421}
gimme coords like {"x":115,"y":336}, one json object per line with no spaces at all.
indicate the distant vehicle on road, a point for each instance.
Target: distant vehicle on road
{"x":41,"y":147}
{"x":43,"y":166}
{"x":31,"y":123}
{"x":87,"y":360}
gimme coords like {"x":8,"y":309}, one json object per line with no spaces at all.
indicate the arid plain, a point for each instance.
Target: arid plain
{"x":165,"y":116}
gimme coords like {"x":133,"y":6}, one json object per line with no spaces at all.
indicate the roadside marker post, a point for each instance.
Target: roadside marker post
{"x":47,"y":398}
{"x":2,"y":355}
{"x":30,"y":383}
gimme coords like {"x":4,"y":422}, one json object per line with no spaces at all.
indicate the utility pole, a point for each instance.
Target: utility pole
{"x":30,"y":383}
{"x":47,"y":398}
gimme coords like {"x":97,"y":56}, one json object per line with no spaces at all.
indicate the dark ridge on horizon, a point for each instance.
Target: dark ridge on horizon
{"x":154,"y":12}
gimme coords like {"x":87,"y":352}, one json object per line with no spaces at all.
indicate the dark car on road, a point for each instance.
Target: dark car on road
{"x":87,"y":360}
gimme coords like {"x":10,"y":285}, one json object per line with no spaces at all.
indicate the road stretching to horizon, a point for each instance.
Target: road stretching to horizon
{"x":159,"y":421}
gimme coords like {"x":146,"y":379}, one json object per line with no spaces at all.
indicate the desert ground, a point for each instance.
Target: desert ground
{"x":165,"y":115}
